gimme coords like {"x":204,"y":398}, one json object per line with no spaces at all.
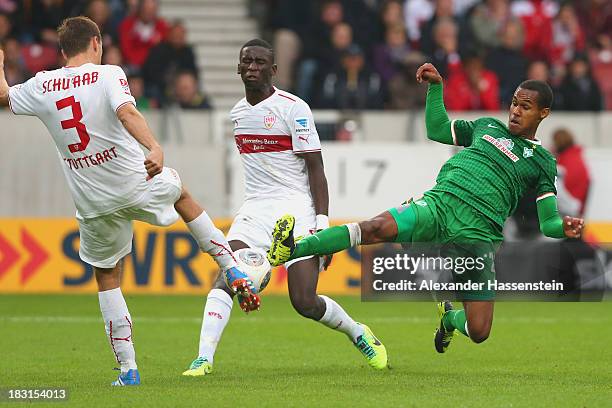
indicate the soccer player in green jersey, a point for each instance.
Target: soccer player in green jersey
{"x":475,"y":192}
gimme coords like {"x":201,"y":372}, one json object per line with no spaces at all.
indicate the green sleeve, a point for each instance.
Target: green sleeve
{"x":437,"y":121}
{"x":439,"y":126}
{"x":551,"y":223}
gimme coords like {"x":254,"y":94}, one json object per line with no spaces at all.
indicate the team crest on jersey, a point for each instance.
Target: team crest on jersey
{"x":506,"y":142}
{"x":269,"y":120}
{"x":527,"y":152}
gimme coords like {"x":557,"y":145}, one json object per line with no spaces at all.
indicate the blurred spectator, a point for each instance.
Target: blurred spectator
{"x":596,"y":18}
{"x":390,"y":55}
{"x":488,"y":21}
{"x":601,"y":62}
{"x":353,"y":86}
{"x":112,"y":56}
{"x":508,"y":62}
{"x":579,"y":91}
{"x":537,"y":16}
{"x":443,"y":11}
{"x":99,"y":11}
{"x":576,"y":178}
{"x":187,"y":94}
{"x":317,"y":46}
{"x":416,"y":13}
{"x":15,"y":69}
{"x":326,"y":60}
{"x":46,"y":16}
{"x":391,"y":14}
{"x":539,"y":71}
{"x":6,"y":27}
{"x":136,"y":84}
{"x":472,"y":88}
{"x":568,"y":38}
{"x":445,"y":55}
{"x":166,"y":59}
{"x":139,"y":32}
{"x":405,"y":92}
{"x":9,"y":6}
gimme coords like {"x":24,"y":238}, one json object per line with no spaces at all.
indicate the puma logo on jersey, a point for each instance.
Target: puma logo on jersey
{"x":304,"y":138}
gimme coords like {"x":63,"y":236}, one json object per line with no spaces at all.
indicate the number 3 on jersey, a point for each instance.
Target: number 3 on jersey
{"x":74,"y":122}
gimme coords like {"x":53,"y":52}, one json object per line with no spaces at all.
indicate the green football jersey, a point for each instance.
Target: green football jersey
{"x":496,"y":168}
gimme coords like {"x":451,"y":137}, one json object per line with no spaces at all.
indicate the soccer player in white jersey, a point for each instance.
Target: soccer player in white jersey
{"x":281,"y":154}
{"x":91,"y":115}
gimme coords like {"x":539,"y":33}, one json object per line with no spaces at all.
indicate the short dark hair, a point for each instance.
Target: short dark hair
{"x":545,"y":93}
{"x":258,"y":42}
{"x":75,"y":33}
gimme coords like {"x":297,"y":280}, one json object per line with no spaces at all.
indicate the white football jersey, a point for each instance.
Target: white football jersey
{"x":102,"y":162}
{"x":269,"y":135}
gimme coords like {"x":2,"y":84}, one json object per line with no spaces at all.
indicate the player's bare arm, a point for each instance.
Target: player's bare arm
{"x":136,"y":125}
{"x":319,"y":191}
{"x":4,"y":87}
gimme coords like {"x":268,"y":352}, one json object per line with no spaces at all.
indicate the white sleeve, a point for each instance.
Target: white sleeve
{"x":117,"y":88}
{"x":304,"y":134}
{"x":22,"y":98}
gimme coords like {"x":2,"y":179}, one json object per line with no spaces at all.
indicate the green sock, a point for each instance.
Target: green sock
{"x":328,"y":241}
{"x":455,"y":319}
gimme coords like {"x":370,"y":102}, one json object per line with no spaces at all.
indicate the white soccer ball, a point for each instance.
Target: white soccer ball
{"x":255,"y":264}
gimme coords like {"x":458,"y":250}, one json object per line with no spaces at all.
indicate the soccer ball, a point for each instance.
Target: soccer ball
{"x":254,"y":263}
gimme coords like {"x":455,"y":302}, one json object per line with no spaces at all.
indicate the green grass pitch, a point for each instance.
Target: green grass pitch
{"x":539,"y":354}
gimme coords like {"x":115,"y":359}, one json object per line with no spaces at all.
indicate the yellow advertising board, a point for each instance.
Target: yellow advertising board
{"x":41,"y":256}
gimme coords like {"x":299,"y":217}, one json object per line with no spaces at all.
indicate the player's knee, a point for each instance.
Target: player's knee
{"x":184,"y":194}
{"x":220,"y":284}
{"x":371,"y":230}
{"x":307,"y":306}
{"x":479,"y":331}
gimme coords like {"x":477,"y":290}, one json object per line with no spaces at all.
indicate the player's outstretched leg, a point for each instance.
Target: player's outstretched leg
{"x":382,"y":228}
{"x":474,"y":322}
{"x":118,"y":323}
{"x":445,"y":332}
{"x":212,"y":241}
{"x":302,"y":283}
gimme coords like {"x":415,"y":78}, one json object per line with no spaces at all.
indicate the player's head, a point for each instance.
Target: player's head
{"x":531,"y":103}
{"x":80,"y":35}
{"x":256,"y":64}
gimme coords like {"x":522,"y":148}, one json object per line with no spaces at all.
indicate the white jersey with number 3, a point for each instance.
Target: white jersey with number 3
{"x":102,"y":162}
{"x":269,"y":135}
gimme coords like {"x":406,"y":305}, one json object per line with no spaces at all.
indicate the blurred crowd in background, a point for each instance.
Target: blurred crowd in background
{"x":362,"y":54}
{"x":154,"y":53}
{"x":348,"y":54}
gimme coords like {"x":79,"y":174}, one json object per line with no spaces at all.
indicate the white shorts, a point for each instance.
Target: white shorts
{"x":255,"y":222}
{"x":105,"y":240}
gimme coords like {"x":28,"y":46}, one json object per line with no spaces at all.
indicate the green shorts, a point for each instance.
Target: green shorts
{"x":460,"y":231}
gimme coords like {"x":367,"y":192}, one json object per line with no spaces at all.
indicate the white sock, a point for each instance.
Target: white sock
{"x":336,"y":318}
{"x":212,"y":241}
{"x":216,"y":315}
{"x":118,"y":324}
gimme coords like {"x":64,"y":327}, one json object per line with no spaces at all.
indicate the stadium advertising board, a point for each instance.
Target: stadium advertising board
{"x":41,"y":256}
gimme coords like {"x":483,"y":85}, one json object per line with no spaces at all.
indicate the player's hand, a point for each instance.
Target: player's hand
{"x":427,"y":72}
{"x":154,"y":163}
{"x":327,"y":261}
{"x":572,"y":227}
